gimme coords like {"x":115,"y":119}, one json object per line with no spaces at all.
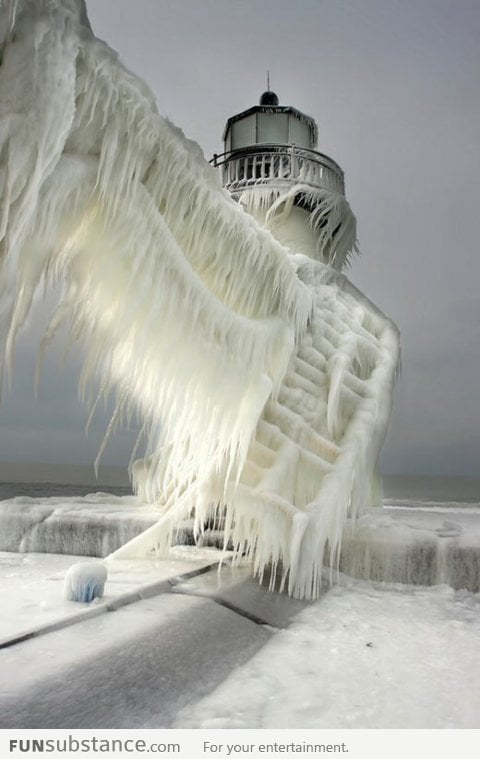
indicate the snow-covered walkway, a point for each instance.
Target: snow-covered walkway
{"x":365,"y":655}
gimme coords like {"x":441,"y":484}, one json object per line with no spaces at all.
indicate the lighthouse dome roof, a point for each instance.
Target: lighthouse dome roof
{"x":269,"y":98}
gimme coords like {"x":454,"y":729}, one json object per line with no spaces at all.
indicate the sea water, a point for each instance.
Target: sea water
{"x":54,"y":480}
{"x":409,"y":491}
{"x":45,"y":481}
{"x":56,"y":489}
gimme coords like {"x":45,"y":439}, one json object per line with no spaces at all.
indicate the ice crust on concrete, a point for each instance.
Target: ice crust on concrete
{"x":32,"y":585}
{"x":364,"y":656}
{"x":420,"y":670}
{"x":93,"y":525}
{"x":262,"y":380}
{"x":414,"y":544}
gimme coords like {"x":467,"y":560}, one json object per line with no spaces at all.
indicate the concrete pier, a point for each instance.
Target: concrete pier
{"x":413,"y":546}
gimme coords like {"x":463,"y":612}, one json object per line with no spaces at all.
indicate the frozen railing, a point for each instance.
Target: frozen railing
{"x":278,"y":164}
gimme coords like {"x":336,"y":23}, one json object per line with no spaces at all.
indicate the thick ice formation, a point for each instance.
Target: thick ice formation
{"x":262,"y":379}
{"x":84,"y":582}
{"x":331,"y":222}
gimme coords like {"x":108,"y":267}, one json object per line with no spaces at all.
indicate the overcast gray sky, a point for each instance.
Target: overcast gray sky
{"x":394,"y":88}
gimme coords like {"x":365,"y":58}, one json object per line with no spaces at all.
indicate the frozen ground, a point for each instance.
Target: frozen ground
{"x":32,"y":584}
{"x":135,"y":666}
{"x":365,"y":655}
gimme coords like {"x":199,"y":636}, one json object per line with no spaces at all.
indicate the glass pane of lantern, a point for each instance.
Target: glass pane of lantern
{"x":273,"y":128}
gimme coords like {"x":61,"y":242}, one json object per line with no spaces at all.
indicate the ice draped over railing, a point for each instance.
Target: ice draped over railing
{"x":187,"y":309}
{"x":269,"y":179}
{"x":279,"y":164}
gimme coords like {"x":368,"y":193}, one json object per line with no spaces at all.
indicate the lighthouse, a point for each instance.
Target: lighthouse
{"x":272,"y":166}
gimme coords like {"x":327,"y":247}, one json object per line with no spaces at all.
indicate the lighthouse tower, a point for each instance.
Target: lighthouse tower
{"x":272,"y":166}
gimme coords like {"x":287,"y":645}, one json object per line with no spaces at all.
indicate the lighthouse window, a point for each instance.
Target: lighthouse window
{"x":300,"y":133}
{"x":273,"y":128}
{"x":243,"y":132}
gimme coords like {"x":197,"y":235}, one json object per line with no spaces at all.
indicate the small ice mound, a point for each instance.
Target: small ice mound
{"x":84,"y":582}
{"x":449,"y":530}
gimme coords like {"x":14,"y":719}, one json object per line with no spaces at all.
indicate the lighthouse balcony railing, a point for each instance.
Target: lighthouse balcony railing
{"x":286,"y":165}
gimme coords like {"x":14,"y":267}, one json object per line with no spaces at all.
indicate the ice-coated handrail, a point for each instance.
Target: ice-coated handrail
{"x":284,"y":164}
